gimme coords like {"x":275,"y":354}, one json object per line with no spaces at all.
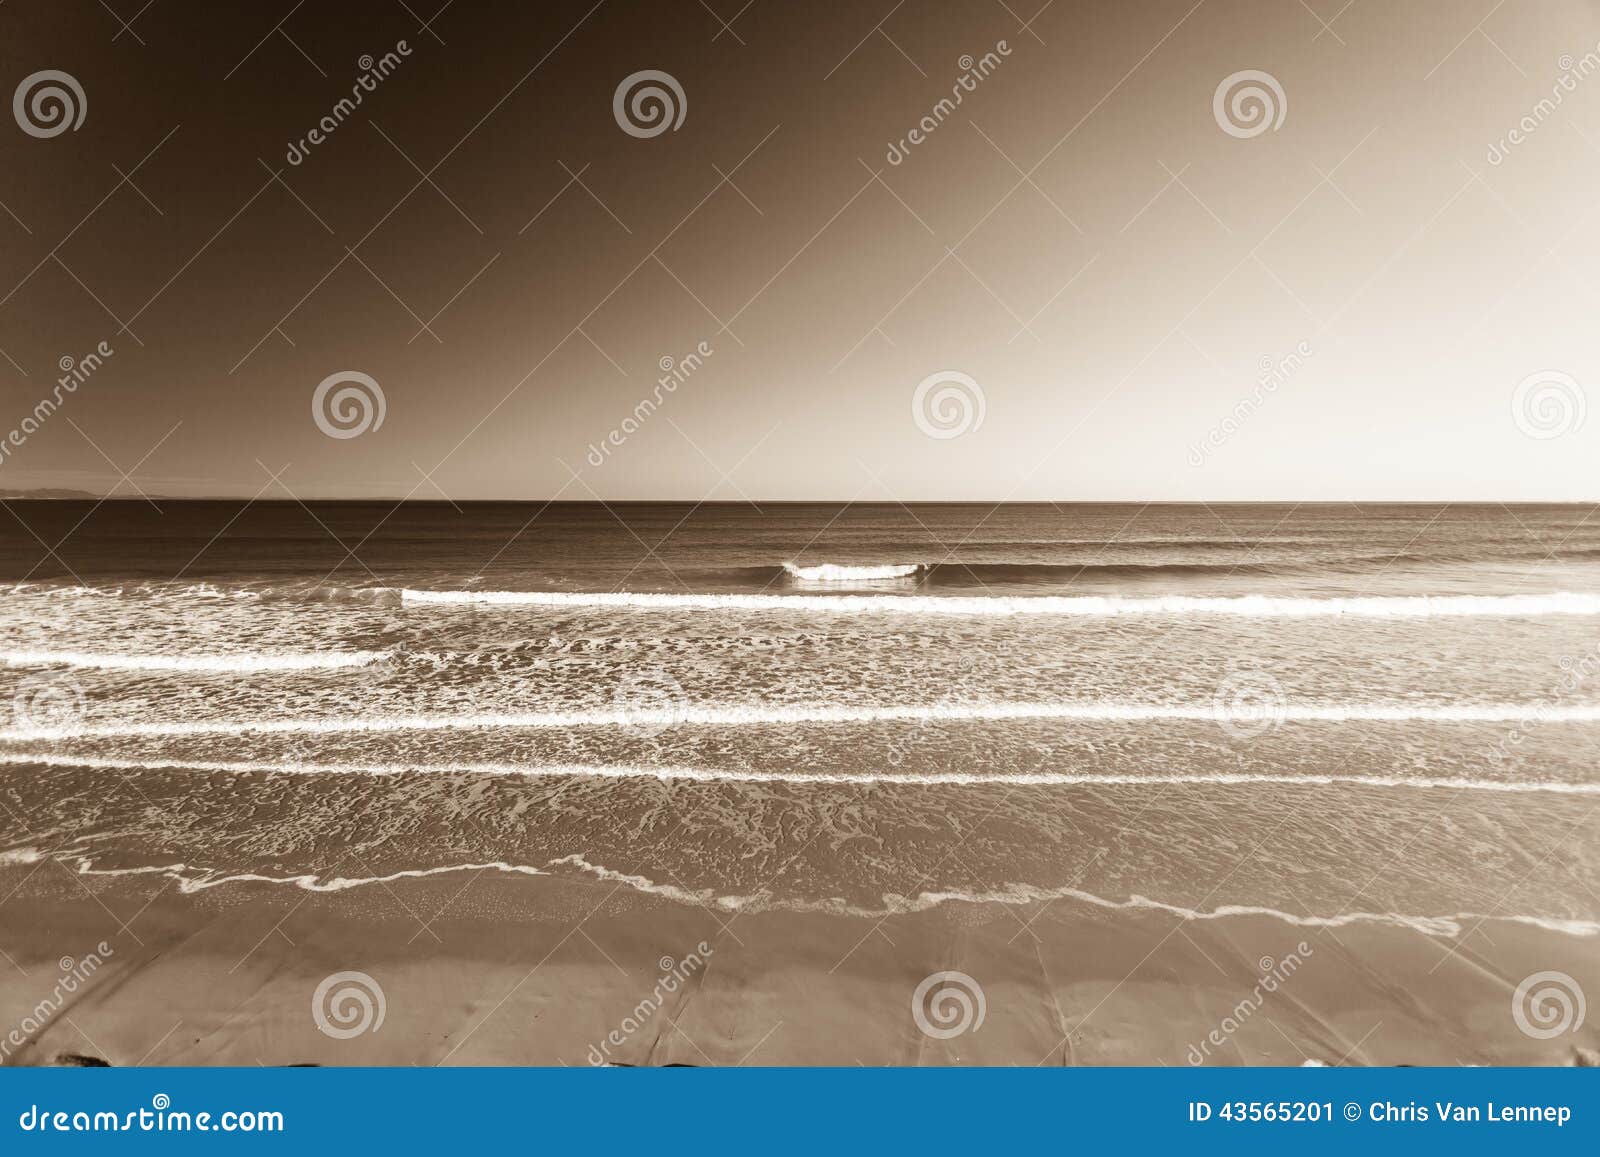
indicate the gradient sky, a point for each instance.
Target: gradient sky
{"x":1114,"y":307}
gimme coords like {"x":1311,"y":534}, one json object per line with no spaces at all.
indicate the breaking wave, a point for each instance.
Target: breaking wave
{"x":828,"y":572}
{"x":1247,"y":606}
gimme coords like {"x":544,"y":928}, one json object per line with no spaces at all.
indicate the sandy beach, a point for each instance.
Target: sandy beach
{"x":484,"y":969}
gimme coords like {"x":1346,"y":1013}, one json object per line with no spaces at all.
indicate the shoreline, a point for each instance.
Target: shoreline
{"x":1444,"y":925}
{"x":483,"y":968}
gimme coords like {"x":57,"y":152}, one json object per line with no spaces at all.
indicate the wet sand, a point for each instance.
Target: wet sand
{"x":482,"y":968}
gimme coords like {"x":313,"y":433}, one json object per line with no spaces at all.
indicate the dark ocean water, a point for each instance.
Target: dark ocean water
{"x":1328,"y":712}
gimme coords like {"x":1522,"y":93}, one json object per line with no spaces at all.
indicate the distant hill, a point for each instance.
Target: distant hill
{"x":48,"y":493}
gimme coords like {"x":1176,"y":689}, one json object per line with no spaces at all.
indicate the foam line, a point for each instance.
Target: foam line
{"x":761,"y":714}
{"x":724,"y":775}
{"x":895,"y":905}
{"x":190,"y":880}
{"x":244,"y":662}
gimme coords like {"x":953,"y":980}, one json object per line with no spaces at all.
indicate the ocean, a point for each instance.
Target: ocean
{"x":1328,"y":714}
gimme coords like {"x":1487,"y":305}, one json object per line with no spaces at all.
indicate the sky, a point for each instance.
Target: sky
{"x":1094,"y":277}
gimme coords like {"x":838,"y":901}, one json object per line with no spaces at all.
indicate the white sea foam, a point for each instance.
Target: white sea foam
{"x":746,"y":775}
{"x":202,"y":590}
{"x":703,"y":896}
{"x":1451,"y":925}
{"x":1246,"y":606}
{"x":768,"y":714}
{"x":190,"y":880}
{"x":311,"y":882}
{"x":829,"y":572}
{"x":243,"y":662}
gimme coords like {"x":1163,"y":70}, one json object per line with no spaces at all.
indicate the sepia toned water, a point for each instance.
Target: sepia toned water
{"x":1327,"y":713}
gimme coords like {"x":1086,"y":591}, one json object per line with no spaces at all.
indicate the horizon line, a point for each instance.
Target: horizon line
{"x":757,"y":503}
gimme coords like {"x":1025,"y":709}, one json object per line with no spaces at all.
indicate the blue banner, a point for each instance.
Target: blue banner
{"x":744,"y":1111}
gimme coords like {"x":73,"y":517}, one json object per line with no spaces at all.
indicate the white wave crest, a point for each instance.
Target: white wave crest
{"x":1246,"y":606}
{"x":762,"y":714}
{"x":667,"y":773}
{"x":247,"y":661}
{"x":829,"y":572}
